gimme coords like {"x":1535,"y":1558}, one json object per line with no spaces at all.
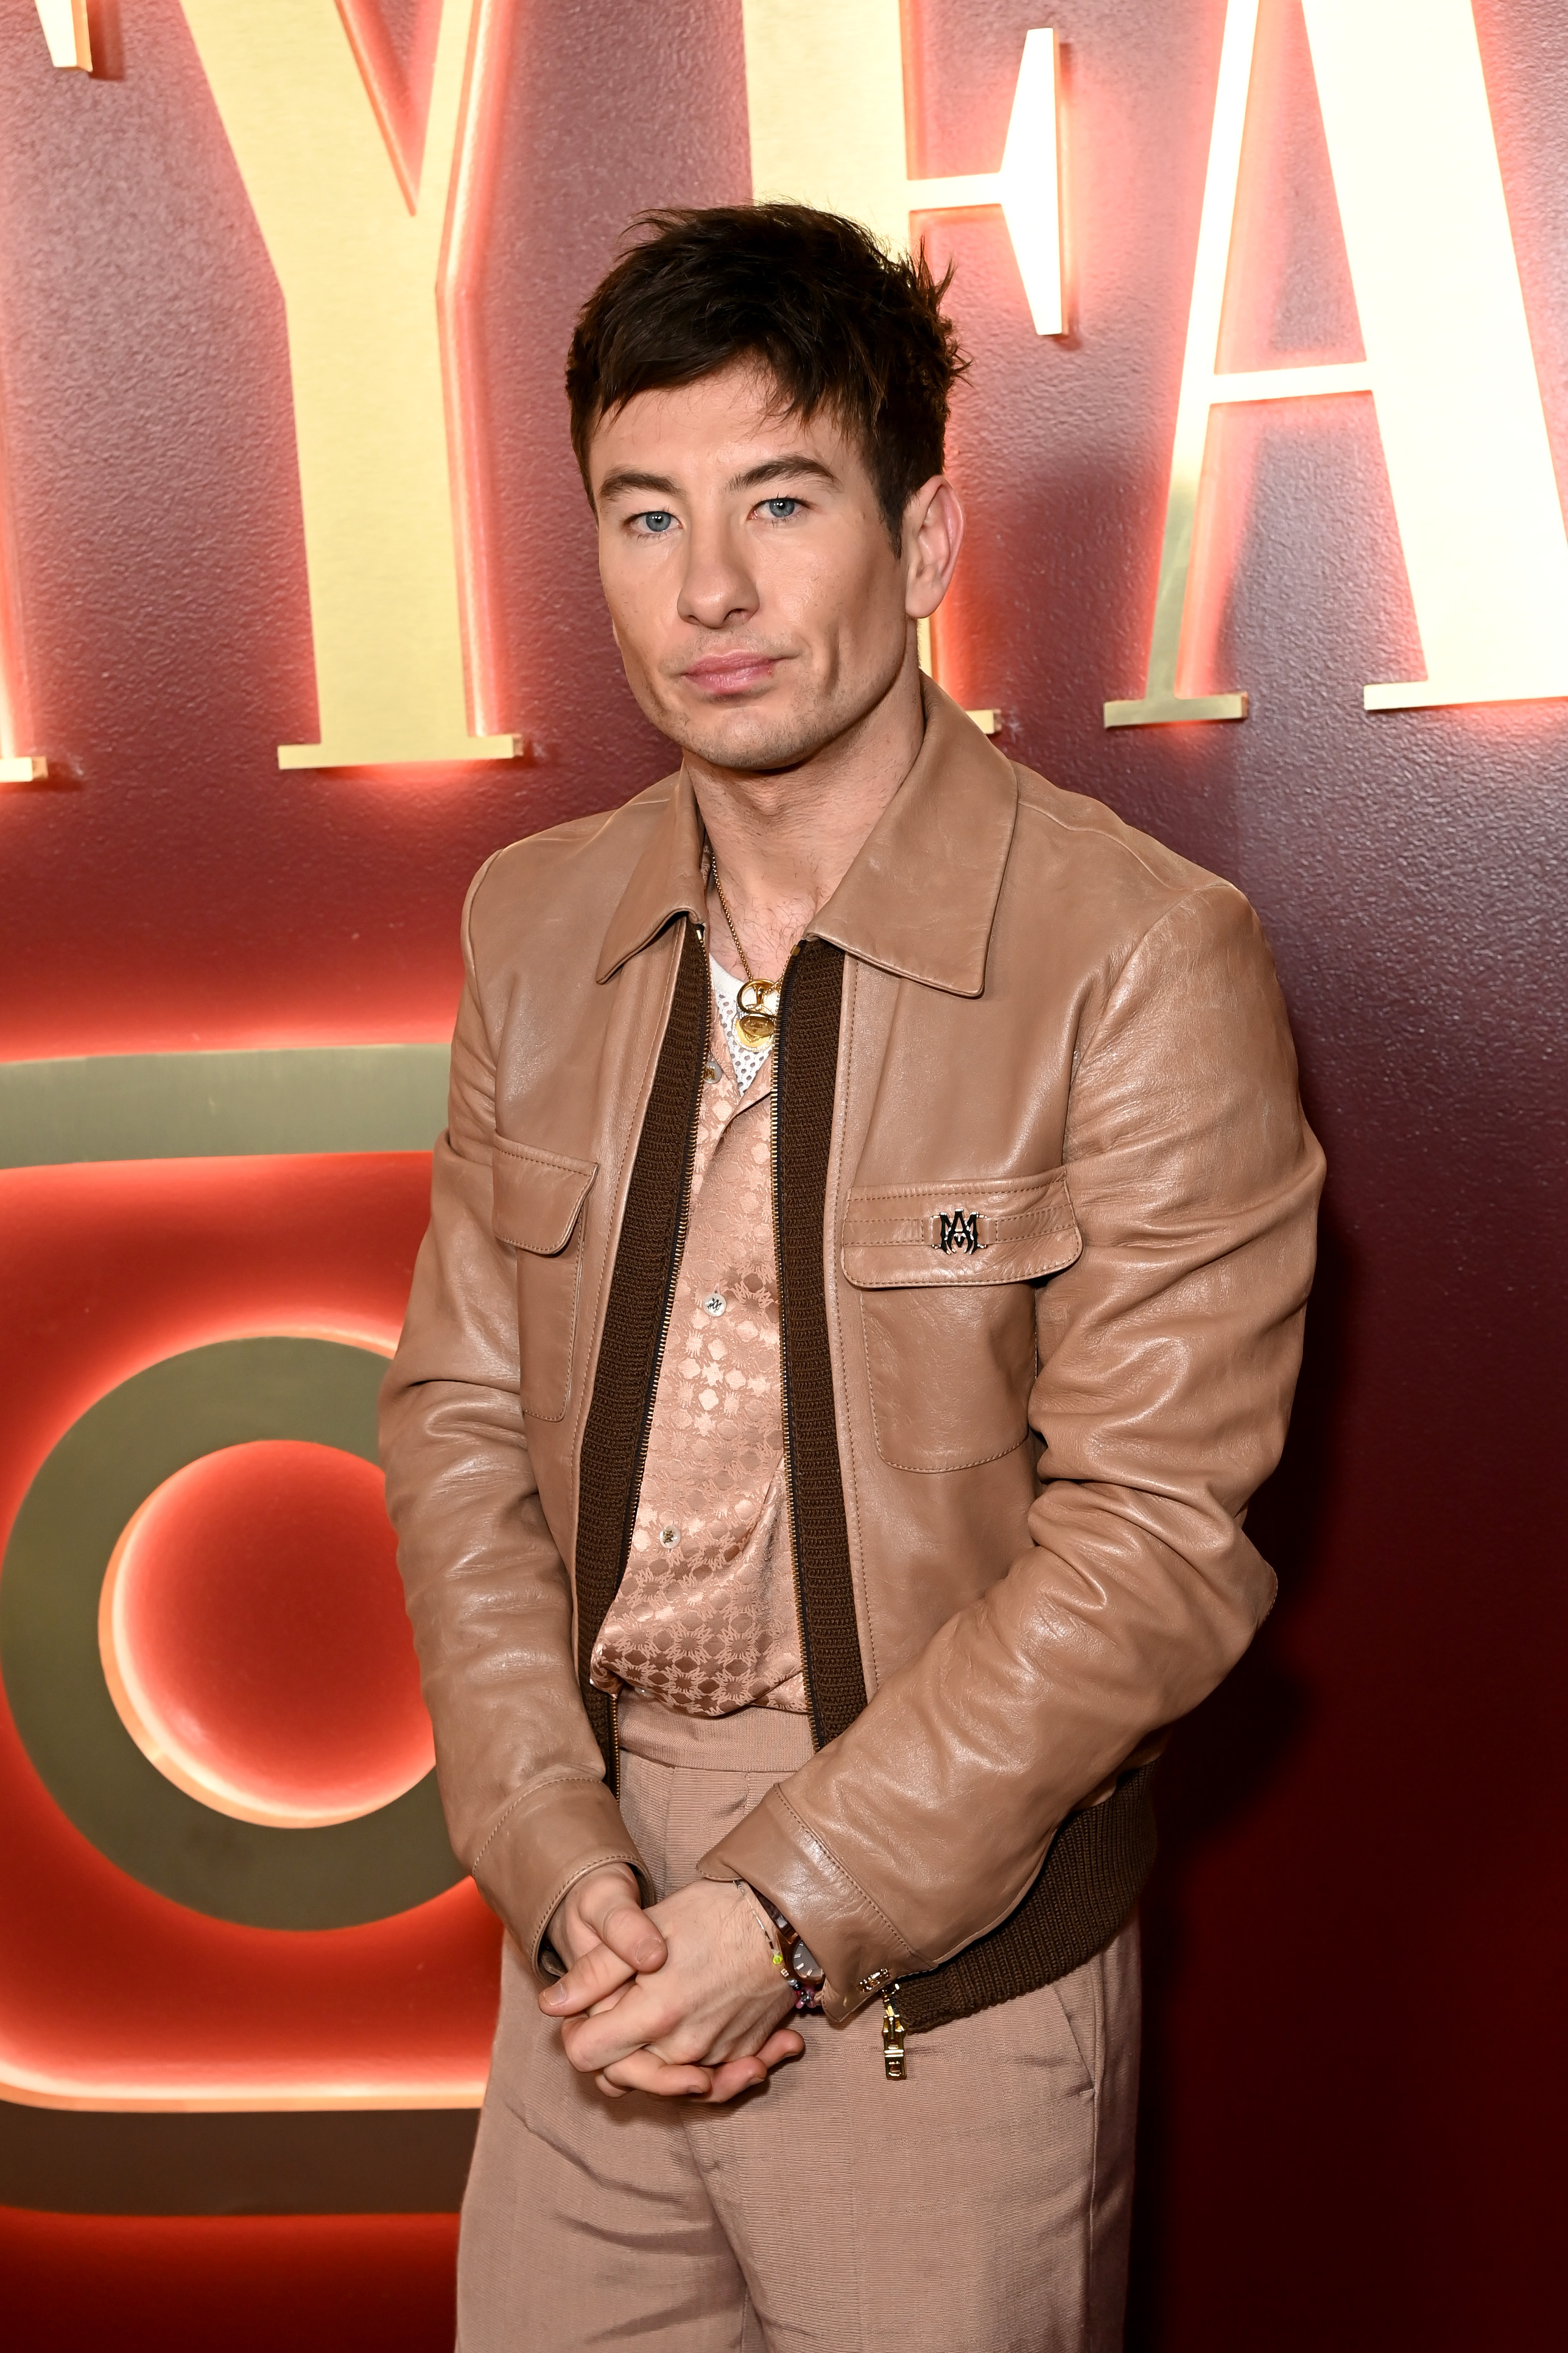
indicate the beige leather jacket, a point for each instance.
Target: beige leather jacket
{"x":1046,"y":1206}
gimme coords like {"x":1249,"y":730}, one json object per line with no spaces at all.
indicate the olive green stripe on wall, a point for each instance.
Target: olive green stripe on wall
{"x":239,"y":1101}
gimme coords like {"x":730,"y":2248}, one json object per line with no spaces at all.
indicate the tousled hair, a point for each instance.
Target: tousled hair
{"x":810,"y":296}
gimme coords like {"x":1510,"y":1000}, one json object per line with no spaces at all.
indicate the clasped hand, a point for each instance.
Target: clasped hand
{"x":683,"y":2000}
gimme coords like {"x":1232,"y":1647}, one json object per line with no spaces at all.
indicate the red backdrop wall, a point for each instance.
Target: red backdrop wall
{"x":1354,"y":1939}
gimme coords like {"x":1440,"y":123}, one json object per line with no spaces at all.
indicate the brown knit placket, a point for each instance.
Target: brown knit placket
{"x":806,"y":1076}
{"x":624,"y":1378}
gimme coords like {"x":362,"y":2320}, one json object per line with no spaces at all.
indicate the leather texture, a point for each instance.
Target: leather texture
{"x":1052,"y":1026}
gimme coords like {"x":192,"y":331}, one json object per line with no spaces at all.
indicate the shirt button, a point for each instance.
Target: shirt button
{"x":668,"y":1536}
{"x":711,"y":1070}
{"x":714,"y":1303}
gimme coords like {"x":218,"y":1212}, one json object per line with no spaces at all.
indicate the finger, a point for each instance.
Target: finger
{"x":601,"y":2040}
{"x":600,"y":1972}
{"x":782,"y":2044}
{"x":628,"y":1932}
{"x":735,"y":2075}
{"x":639,"y":2071}
{"x":732,"y":2077}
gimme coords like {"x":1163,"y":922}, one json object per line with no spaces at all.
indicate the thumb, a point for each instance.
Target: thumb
{"x":623,"y":1925}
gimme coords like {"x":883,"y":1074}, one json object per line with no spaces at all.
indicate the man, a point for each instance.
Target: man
{"x":864,"y":1285}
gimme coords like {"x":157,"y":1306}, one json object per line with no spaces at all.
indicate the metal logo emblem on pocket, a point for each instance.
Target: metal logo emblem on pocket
{"x":958,"y":1230}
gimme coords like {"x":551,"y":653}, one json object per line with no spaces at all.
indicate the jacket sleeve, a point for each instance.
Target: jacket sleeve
{"x":521,"y":1779}
{"x":1168,"y":1357}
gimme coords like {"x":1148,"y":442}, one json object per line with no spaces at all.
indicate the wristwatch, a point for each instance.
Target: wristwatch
{"x":801,"y":1963}
{"x":792,"y":1953}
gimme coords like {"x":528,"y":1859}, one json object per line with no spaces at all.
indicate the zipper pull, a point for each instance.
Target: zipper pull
{"x":892,"y":2038}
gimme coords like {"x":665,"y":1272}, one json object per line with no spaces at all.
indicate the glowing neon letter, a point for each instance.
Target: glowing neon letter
{"x":65,"y":29}
{"x":368,"y":236}
{"x":1448,"y":363}
{"x":67,"y":32}
{"x":825,"y":101}
{"x":17,"y":766}
{"x":824,"y":96}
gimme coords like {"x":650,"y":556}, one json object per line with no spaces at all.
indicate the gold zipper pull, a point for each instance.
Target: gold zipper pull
{"x":892,"y":2038}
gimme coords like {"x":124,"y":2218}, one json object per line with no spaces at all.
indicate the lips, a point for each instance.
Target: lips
{"x":722,"y":674}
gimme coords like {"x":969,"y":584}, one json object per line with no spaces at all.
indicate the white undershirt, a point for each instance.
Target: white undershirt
{"x":745,"y":1060}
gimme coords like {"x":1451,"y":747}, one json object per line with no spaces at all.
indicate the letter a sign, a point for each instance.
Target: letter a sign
{"x":1449,"y":360}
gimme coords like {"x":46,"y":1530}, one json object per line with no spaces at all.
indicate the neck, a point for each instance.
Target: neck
{"x":783,"y":840}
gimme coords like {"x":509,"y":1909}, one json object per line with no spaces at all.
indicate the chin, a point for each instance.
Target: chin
{"x":759,"y":742}
{"x":755,"y":753}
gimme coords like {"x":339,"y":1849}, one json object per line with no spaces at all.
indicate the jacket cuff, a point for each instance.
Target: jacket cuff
{"x":859,"y":1946}
{"x":553,"y":1837}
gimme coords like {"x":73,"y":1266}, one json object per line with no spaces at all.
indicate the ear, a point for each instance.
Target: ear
{"x":933,"y":536}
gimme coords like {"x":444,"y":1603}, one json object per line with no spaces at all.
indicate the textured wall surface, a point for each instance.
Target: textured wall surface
{"x":1354,"y":1940}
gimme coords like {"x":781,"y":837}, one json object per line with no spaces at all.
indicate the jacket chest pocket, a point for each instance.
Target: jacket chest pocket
{"x":946,"y":1276}
{"x":538,"y":1212}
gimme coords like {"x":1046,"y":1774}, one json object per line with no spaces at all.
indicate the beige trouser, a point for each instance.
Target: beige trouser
{"x":981,"y":2206}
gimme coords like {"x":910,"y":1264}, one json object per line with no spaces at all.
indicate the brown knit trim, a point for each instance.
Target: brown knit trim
{"x":805,"y":1078}
{"x":615,"y":1436}
{"x":1092,"y":1878}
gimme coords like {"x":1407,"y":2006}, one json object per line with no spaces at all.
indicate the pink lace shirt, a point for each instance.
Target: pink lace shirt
{"x":705,"y":1619}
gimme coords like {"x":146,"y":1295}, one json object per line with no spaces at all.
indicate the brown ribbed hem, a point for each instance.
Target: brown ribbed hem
{"x":561,"y":1831}
{"x":1084,"y":1895}
{"x":753,"y":1740}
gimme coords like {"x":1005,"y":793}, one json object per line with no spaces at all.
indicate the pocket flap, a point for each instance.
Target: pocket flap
{"x":969,"y":1229}
{"x":538,"y":1196}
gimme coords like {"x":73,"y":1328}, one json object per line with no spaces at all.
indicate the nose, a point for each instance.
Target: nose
{"x":716,"y":588}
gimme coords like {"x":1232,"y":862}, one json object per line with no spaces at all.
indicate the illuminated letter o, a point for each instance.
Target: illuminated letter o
{"x":95,"y":1479}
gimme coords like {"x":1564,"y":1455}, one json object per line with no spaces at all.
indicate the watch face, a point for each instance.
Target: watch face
{"x":805,"y":1964}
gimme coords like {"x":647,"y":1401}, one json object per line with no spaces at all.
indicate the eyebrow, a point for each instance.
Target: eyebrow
{"x":795,"y":467}
{"x":623,"y":479}
{"x":782,"y":469}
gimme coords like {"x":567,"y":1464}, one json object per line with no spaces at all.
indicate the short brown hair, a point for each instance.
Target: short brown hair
{"x":810,"y":296}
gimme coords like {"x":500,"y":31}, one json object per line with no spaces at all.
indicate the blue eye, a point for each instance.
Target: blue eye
{"x":658,"y":520}
{"x":779,"y":510}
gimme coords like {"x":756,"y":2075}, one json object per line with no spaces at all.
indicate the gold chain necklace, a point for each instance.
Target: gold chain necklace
{"x":756,"y":1001}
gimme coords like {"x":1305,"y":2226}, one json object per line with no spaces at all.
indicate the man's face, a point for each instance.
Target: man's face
{"x":756,"y":599}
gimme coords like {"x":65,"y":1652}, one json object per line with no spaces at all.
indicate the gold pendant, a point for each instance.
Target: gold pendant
{"x":756,"y":1012}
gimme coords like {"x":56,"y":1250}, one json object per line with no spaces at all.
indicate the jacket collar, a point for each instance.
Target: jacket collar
{"x":666,"y":881}
{"x":919,"y":898}
{"x":920,"y":894}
